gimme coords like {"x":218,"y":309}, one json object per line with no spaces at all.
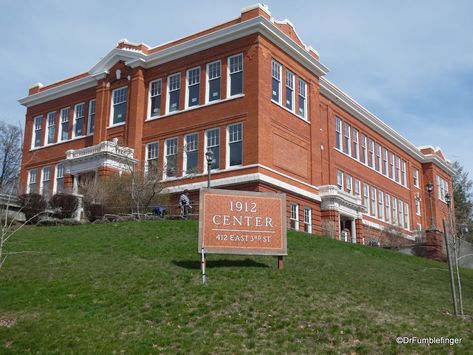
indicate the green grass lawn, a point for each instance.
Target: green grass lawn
{"x":135,"y":287}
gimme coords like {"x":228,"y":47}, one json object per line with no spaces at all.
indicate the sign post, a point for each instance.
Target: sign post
{"x":242,"y":223}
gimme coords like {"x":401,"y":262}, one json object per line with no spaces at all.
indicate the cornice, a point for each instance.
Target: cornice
{"x":136,"y":58}
{"x":347,"y":103}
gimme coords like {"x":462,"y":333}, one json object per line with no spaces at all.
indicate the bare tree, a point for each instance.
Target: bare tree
{"x":10,"y":156}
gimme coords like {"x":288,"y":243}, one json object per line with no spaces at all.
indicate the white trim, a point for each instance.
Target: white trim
{"x":296,"y":220}
{"x":112,"y":110}
{"x":168,"y":79}
{"x":74,"y":118}
{"x":343,"y":100}
{"x":238,"y":179}
{"x":149,"y":116}
{"x":227,"y":143}
{"x":228,"y":74}
{"x":186,"y":98}
{"x":184,"y":154}
{"x":205,"y":169}
{"x":207,"y":82}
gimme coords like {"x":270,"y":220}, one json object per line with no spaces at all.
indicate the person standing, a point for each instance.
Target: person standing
{"x":185,"y":204}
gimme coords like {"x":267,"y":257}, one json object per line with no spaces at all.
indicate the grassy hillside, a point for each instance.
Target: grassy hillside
{"x":136,"y":288}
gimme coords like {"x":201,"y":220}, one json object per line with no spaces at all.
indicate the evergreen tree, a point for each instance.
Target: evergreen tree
{"x":463,"y":198}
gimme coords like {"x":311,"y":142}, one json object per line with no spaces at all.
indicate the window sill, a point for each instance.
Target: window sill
{"x":216,"y":102}
{"x":57,"y":143}
{"x":306,"y":120}
{"x":117,"y":125}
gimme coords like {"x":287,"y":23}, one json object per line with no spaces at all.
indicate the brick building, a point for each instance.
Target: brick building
{"x":252,"y":92}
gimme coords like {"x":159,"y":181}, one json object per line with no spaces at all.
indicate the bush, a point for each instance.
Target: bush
{"x":64,"y":205}
{"x":93,"y":211}
{"x":32,"y":206}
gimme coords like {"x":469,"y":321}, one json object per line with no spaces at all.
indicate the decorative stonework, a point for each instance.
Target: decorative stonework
{"x":103,"y":155}
{"x":336,"y":200}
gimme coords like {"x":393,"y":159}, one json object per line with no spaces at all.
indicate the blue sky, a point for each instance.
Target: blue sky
{"x":408,"y":62}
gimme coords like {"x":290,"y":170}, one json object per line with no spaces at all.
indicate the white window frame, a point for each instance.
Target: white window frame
{"x":357,"y":188}
{"x":153,"y":92}
{"x":371,"y":153}
{"x":366,"y":197}
{"x":407,"y":222}
{"x":387,"y":208}
{"x":61,"y":121}
{"x":355,"y":154}
{"x":207,"y":146}
{"x":208,"y":78}
{"x":227,"y":158}
{"x":43,"y":181}
{"x":92,"y":110}
{"x":74,"y":121}
{"x":165,"y":157}
{"x":169,"y":90}
{"x":374,"y":202}
{"x":32,"y":179}
{"x":230,"y":72}
{"x":48,"y":126}
{"x":338,"y":134}
{"x":302,"y":92}
{"x":186,"y":150}
{"x":294,"y":215}
{"x":188,"y":85}
{"x":37,"y":130}
{"x":415,"y":174}
{"x":346,"y":138}
{"x":400,"y":210}
{"x":384,"y":169}
{"x":380,"y":205}
{"x":276,"y":73}
{"x":59,"y":168}
{"x":154,"y":157}
{"x":378,"y":158}
{"x":417,"y":206}
{"x":364,"y":149}
{"x":113,"y":103}
{"x":349,"y":184}
{"x":340,"y":180}
{"x":403,"y":173}
{"x":395,"y":216}
{"x":308,"y":219}
{"x":290,"y":83}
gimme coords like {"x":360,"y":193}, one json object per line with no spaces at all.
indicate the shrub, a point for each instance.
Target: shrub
{"x":93,"y":211}
{"x":33,"y":205}
{"x":65,"y":205}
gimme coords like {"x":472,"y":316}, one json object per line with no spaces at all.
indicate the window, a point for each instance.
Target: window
{"x":378,"y":158}
{"x":391,"y":165}
{"x":403,"y":173}
{"x":442,"y":186}
{"x":406,"y":216}
{"x":417,"y":205}
{"x":307,"y":219}
{"x":349,"y":184}
{"x":155,"y":89}
{"x":340,"y":180}
{"x":371,"y":153}
{"x":213,"y":81}
{"x":151,"y":167}
{"x":394,"y":214}
{"x":415,"y":174}
{"x":235,"y":147}
{"x":64,"y":129}
{"x":380,"y":204}
{"x":51,"y":127}
{"x":91,"y":121}
{"x":170,"y":159}
{"x":276,"y":81}
{"x":78,"y":120}
{"x":235,"y":71}
{"x":387,"y":205}
{"x":213,"y":143}
{"x":32,"y":180}
{"x":45,"y":180}
{"x":357,"y":188}
{"x":354,"y":151}
{"x":59,"y":185}
{"x":338,"y":133}
{"x":373,"y":206}
{"x":302,"y":98}
{"x":294,"y":216}
{"x":346,"y":138}
{"x":363,"y":158}
{"x":193,"y":87}
{"x":401,"y":213}
{"x":366,"y":196}
{"x":397,"y":170}
{"x":119,"y":105}
{"x":289,"y":90}
{"x":174,"y":88}
{"x":191,"y":153}
{"x":38,"y":122}
{"x":385,"y":162}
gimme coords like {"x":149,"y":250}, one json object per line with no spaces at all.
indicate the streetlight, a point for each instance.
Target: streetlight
{"x":209,"y":156}
{"x":430,"y":189}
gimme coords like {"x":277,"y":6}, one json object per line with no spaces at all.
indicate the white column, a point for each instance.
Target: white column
{"x":353,"y":231}
{"x":75,"y":184}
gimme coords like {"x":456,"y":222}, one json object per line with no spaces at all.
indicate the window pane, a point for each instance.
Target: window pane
{"x":236,"y":86}
{"x":193,"y":99}
{"x":173,"y":101}
{"x":119,"y":113}
{"x":91,"y":116}
{"x":275,"y":84}
{"x":236,"y":153}
{"x":214,"y":89}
